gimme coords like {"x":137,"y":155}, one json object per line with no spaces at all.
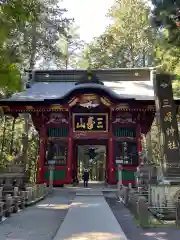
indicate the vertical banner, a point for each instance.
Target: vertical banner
{"x":166,"y":108}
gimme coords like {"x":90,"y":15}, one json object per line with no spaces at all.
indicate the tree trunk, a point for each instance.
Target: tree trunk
{"x":26,"y":116}
{"x":144,"y":58}
{"x":66,"y":63}
{"x":132,"y":55}
{"x":3,"y":137}
{"x":25,"y":141}
{"x":36,"y":158}
{"x":12,"y":135}
{"x":33,"y":46}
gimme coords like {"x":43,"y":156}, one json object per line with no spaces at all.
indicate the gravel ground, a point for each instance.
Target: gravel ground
{"x":39,"y":222}
{"x":133,"y":232}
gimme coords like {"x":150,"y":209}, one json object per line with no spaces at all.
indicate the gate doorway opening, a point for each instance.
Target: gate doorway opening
{"x":96,"y":165}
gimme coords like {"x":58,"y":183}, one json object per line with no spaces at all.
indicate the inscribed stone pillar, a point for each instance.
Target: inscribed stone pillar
{"x":166,"y":109}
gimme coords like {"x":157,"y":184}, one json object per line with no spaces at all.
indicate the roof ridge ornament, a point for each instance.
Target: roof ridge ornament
{"x":89,"y":77}
{"x":89,"y":104}
{"x":89,"y":73}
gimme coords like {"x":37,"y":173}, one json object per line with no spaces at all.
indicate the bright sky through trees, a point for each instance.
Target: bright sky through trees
{"x":89,"y":15}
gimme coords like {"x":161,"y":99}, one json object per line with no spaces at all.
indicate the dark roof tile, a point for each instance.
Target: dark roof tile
{"x":140,"y":90}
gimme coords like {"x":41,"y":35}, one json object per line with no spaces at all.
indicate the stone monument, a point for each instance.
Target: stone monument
{"x":166,"y":191}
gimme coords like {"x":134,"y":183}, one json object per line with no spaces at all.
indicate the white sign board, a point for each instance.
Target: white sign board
{"x":51,"y":162}
{"x":118,"y":161}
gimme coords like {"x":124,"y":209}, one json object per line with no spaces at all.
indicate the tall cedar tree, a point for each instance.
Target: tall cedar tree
{"x":165,"y":15}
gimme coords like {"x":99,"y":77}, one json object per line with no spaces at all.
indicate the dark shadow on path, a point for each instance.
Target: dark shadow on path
{"x":132,"y":231}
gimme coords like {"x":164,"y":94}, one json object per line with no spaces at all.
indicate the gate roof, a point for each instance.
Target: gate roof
{"x":124,"y":83}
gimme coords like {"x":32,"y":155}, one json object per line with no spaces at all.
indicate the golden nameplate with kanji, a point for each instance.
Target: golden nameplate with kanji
{"x":90,"y":122}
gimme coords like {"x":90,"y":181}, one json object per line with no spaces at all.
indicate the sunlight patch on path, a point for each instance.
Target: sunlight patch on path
{"x":53,"y":206}
{"x":94,"y":236}
{"x":157,"y":236}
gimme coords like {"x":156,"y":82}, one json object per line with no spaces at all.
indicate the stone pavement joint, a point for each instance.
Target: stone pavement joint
{"x":90,"y":218}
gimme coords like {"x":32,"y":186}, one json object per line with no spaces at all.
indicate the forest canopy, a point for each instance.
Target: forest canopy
{"x":38,"y":33}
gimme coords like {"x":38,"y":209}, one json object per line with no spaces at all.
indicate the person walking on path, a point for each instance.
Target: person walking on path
{"x":86,"y":177}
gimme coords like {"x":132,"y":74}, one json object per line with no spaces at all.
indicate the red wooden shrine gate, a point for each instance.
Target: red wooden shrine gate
{"x":63,"y":116}
{"x":120,"y":130}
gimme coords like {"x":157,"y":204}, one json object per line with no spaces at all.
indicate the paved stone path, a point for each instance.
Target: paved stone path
{"x":39,"y":222}
{"x":133,"y":232}
{"x":84,"y":217}
{"x":90,"y":218}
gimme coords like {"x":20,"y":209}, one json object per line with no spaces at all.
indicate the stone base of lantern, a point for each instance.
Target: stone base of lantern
{"x":163,"y":196}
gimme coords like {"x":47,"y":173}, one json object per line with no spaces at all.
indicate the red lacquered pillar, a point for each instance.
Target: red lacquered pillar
{"x":40,"y":177}
{"x":69,"y":162}
{"x":70,"y":145}
{"x":111,"y":173}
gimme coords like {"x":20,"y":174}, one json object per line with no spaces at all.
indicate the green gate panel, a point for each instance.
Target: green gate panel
{"x":59,"y":174}
{"x":58,"y":132}
{"x":125,"y":132}
{"x":126,"y":175}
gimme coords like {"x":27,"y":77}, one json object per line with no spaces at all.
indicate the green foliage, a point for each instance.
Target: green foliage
{"x":11,"y":144}
{"x":29,"y":31}
{"x":155,"y":141}
{"x":168,"y":57}
{"x":131,"y":41}
{"x":168,"y":39}
{"x":69,"y":45}
{"x":164,"y":16}
{"x":14,"y":16}
{"x":43,"y":35}
{"x":10,"y":80}
{"x":127,"y":42}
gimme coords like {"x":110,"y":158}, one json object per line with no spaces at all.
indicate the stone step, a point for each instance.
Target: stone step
{"x":172,"y":169}
{"x":89,"y":193}
{"x":173,"y":174}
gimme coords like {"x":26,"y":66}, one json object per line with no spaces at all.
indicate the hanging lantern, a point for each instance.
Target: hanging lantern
{"x":91,"y":153}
